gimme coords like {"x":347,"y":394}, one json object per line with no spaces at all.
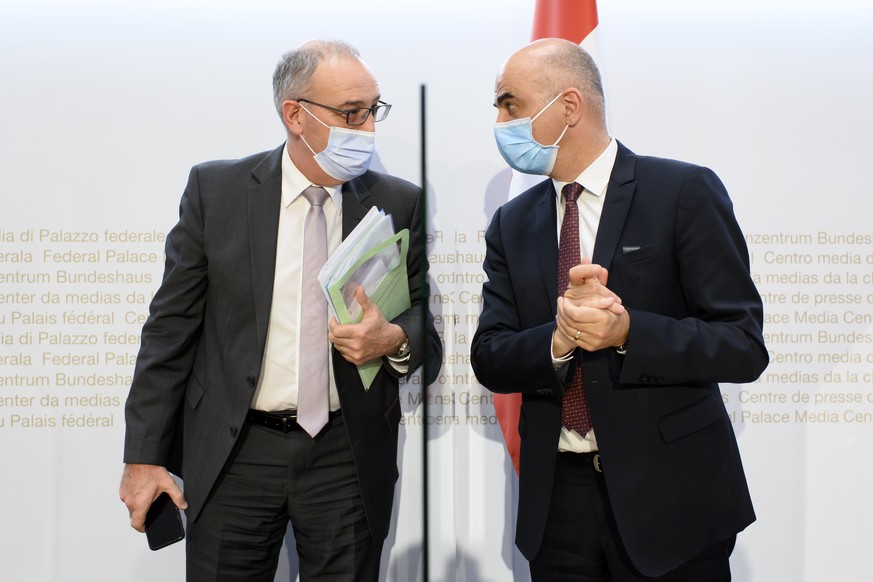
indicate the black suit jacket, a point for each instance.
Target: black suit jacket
{"x":678,"y":260}
{"x":203,"y":343}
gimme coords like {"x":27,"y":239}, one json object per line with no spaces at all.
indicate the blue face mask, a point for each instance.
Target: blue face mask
{"x":348,"y":152}
{"x":521,"y":151}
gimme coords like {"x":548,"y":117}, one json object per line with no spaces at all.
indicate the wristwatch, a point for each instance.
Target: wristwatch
{"x":404,"y":349}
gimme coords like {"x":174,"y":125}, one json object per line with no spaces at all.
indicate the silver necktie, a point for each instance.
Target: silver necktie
{"x":312,"y":397}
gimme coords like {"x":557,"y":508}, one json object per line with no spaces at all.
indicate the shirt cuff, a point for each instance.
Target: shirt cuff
{"x":401,"y":365}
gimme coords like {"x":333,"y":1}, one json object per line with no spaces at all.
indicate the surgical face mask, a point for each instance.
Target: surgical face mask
{"x":521,"y":151}
{"x":348,"y":152}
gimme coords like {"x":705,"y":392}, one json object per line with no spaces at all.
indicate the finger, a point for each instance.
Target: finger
{"x":607,"y":302}
{"x":561,"y":342}
{"x":567,"y":332}
{"x":340,"y":331}
{"x":591,"y":322}
{"x":177,"y":496}
{"x":334,"y":330}
{"x":576,"y":312}
{"x":583,"y":271}
{"x":344,"y":352}
{"x":137,"y":519}
{"x":362,"y":298}
{"x":567,"y":325}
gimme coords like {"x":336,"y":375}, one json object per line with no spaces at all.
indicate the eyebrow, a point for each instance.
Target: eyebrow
{"x":503,"y":97}
{"x":360,"y":103}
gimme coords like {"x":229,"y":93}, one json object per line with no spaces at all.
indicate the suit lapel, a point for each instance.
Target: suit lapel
{"x":264,"y":200}
{"x":546,"y":239}
{"x":354,"y":201}
{"x":619,"y":195}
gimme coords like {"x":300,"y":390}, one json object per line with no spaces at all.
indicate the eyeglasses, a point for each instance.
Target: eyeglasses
{"x":360,"y":115}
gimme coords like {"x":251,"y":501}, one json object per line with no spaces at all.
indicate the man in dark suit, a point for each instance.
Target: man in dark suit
{"x":634,"y":474}
{"x":222,"y":368}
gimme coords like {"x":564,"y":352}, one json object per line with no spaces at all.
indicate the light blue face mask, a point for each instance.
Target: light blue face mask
{"x":521,"y":151}
{"x":348,"y":152}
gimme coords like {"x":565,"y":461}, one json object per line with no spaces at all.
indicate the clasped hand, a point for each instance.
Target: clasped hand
{"x":370,"y":338}
{"x":590,"y":316}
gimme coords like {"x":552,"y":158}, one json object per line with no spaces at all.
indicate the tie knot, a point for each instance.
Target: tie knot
{"x":315,"y":195}
{"x":571,"y":191}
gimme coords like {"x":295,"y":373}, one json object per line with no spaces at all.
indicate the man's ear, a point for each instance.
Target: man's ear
{"x":574,"y":104}
{"x":292,"y":116}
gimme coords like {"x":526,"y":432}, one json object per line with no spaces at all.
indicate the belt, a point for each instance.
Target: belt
{"x":281,"y":421}
{"x":592,"y":459}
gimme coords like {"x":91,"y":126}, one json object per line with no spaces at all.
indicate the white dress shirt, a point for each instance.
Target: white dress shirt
{"x":279,"y":379}
{"x":594,"y":179}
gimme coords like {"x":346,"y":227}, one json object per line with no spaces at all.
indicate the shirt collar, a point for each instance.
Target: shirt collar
{"x":595,"y":178}
{"x":294,"y":183}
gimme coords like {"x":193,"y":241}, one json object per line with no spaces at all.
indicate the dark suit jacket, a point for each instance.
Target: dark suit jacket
{"x":203,"y":343}
{"x":679,"y":262}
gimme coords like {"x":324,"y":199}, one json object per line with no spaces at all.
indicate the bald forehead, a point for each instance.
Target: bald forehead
{"x":525,"y":60}
{"x":334,"y":69}
{"x":537,"y":59}
{"x":346,"y":80}
{"x":520,"y":77}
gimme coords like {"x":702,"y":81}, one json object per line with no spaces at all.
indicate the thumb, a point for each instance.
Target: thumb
{"x":178,"y":498}
{"x":362,"y":299}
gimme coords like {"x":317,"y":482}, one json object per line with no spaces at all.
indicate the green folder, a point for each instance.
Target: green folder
{"x":391,"y":295}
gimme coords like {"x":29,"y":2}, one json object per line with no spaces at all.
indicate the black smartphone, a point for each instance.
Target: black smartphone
{"x":163,"y":523}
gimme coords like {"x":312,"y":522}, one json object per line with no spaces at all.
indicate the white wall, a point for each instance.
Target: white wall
{"x":104,"y":107}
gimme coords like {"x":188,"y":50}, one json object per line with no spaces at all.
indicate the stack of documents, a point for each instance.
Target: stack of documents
{"x":374,"y":257}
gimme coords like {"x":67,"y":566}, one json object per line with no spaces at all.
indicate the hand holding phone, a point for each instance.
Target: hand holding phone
{"x":163,"y":523}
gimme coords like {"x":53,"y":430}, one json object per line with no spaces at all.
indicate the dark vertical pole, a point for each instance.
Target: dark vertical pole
{"x":425,"y":539}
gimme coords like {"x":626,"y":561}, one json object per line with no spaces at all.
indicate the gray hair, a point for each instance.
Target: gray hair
{"x":295,"y":68}
{"x":571,"y":66}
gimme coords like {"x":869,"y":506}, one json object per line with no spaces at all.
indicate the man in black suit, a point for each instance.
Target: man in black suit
{"x":657,"y":306}
{"x":215,"y":391}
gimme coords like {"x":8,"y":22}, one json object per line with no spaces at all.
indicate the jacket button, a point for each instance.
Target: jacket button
{"x":251,"y":381}
{"x":233,"y":431}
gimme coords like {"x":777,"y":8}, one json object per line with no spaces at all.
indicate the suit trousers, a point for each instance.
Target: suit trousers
{"x":273,"y":477}
{"x":581,"y":542}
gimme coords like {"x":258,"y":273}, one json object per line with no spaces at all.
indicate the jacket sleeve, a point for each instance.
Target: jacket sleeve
{"x":717,"y":335}
{"x":511,"y":350}
{"x":169,"y":342}
{"x":425,"y":346}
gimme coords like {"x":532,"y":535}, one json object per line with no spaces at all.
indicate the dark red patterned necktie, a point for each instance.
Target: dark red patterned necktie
{"x":574,"y":408}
